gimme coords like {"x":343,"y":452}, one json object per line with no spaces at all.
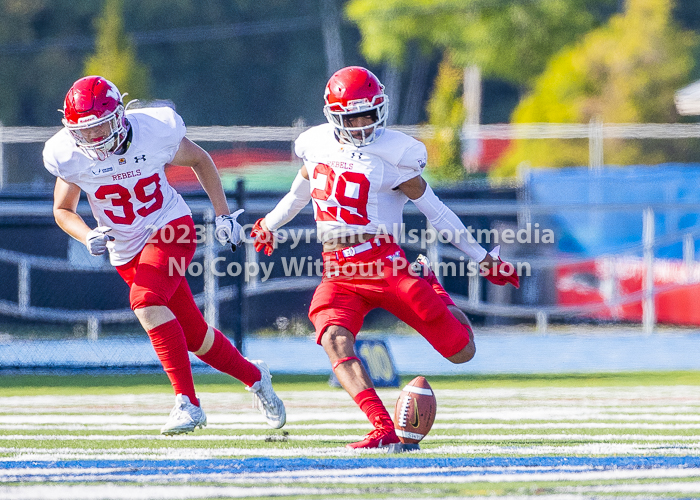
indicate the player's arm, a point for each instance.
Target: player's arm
{"x":444,"y":219}
{"x":297,"y":198}
{"x":66,"y":196}
{"x":191,"y":155}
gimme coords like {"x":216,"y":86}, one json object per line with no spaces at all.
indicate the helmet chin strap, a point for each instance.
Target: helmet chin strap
{"x":347,"y":138}
{"x":121,"y":149}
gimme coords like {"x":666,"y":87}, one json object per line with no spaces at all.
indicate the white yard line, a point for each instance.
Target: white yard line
{"x":360,"y":425}
{"x":333,"y":437}
{"x":330,"y":415}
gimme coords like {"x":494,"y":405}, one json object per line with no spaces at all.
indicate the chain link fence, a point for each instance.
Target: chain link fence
{"x":60,"y":307}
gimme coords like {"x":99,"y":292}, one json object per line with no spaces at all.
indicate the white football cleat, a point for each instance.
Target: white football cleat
{"x":184,"y":417}
{"x":265,"y":399}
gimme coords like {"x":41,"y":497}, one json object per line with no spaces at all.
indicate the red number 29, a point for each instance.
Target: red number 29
{"x":146,"y":190}
{"x":346,"y":208}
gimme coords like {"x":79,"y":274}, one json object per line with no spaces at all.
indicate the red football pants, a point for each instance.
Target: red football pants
{"x":379,"y":277}
{"x":155,"y":280}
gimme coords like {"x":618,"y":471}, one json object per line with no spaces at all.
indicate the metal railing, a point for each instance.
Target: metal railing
{"x":214,"y":294}
{"x":595,"y":132}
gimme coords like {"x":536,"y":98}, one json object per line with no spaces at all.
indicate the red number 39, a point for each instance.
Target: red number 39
{"x":121,"y":198}
{"x":351,"y":210}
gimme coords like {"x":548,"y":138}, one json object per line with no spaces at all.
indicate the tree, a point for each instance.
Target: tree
{"x":624,"y":72}
{"x":505,"y":39}
{"x":32,"y":87}
{"x":115,"y":55}
{"x":445,"y":109}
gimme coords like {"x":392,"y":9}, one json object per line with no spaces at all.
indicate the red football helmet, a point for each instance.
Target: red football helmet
{"x":93,"y":112}
{"x":355,"y":90}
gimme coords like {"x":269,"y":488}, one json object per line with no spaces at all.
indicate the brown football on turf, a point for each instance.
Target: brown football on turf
{"x":415,"y":411}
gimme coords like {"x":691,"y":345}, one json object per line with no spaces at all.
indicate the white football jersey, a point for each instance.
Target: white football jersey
{"x":353,"y":189}
{"x":128,"y":192}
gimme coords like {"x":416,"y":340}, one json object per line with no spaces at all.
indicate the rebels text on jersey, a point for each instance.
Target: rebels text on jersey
{"x":128,"y":192}
{"x":354,"y":189}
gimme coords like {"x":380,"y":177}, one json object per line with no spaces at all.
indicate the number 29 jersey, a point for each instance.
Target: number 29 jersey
{"x":354,"y":189}
{"x":129,"y":192}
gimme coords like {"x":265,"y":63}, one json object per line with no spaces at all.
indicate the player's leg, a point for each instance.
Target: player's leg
{"x":212,"y":347}
{"x":421,"y":266}
{"x":468,"y":352}
{"x":339,"y":344}
{"x":152,"y":287}
{"x":416,"y":302}
{"x":207,"y":342}
{"x":336,"y":313}
{"x":152,"y":283}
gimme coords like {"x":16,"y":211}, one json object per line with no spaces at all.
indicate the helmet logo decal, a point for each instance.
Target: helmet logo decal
{"x":113,"y":93}
{"x":86,"y":119}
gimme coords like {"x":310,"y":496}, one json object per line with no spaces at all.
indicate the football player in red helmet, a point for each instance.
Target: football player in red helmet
{"x":117,"y":158}
{"x":93,"y":113}
{"x":359,"y":175}
{"x":354,"y":93}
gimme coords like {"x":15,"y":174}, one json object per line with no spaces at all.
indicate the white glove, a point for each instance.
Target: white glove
{"x":228,"y":230}
{"x":96,"y":240}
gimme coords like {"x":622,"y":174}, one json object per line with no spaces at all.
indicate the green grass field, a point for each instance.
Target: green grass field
{"x":631,"y":435}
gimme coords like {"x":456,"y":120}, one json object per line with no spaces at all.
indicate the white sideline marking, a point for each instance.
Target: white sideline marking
{"x":333,"y":437}
{"x":122,"y":417}
{"x":116,"y":417}
{"x":357,"y":426}
{"x":565,"y":425}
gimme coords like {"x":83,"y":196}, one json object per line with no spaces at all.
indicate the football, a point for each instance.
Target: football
{"x":415,"y":411}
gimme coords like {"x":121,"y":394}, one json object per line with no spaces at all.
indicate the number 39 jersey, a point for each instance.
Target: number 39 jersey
{"x":128,"y":192}
{"x":354,"y":190}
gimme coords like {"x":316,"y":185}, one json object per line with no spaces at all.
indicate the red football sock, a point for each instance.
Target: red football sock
{"x":369,"y":402}
{"x":227,"y":359}
{"x":169,"y":343}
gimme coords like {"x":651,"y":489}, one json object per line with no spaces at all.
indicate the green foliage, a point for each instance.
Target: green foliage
{"x":624,"y":72}
{"x":446,"y":114}
{"x":29,"y":93}
{"x":505,"y":39}
{"x":271,"y":71}
{"x":115,"y":56}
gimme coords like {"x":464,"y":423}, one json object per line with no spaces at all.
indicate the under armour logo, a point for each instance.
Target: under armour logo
{"x":137,"y":158}
{"x":356,"y":155}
